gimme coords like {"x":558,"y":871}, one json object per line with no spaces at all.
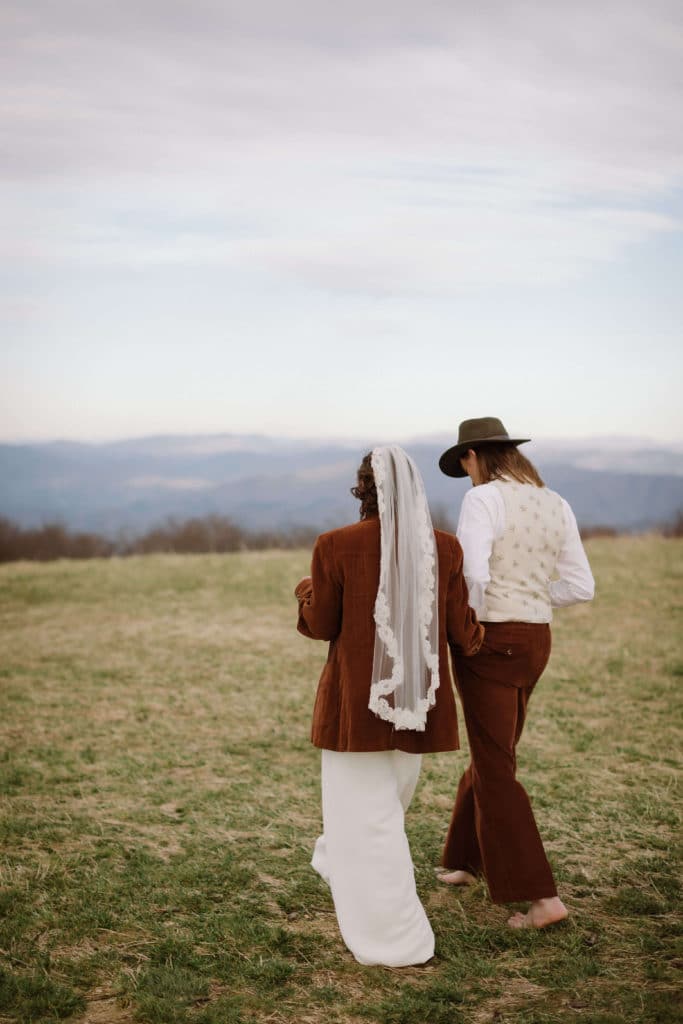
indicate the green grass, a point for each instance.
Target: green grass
{"x":159,"y":800}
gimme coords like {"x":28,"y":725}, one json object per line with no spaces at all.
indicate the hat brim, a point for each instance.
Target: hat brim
{"x":449,"y":463}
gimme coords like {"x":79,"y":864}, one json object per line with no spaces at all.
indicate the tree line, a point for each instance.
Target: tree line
{"x":191,"y":536}
{"x":210,"y":534}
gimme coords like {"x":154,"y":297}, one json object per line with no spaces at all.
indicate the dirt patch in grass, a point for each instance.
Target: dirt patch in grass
{"x":103,"y":1009}
{"x":520,"y":994}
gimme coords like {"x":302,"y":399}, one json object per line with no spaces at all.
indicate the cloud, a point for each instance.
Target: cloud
{"x":155,"y":88}
{"x":368,"y":228}
{"x":367,"y":149}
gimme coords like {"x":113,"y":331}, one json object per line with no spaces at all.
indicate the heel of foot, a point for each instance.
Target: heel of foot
{"x":457,"y":877}
{"x":539,"y":917}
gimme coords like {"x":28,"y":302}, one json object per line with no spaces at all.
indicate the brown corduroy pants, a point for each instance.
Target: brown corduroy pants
{"x":493,"y":831}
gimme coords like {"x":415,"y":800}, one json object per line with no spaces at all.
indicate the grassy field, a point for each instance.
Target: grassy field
{"x":160,"y":800}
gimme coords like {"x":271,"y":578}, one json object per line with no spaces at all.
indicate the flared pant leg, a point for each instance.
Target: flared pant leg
{"x":493,"y":830}
{"x":364,"y":856}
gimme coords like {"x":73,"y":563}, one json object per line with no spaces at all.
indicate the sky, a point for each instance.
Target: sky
{"x":364,"y":219}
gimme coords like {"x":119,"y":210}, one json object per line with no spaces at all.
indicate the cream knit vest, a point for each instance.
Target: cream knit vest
{"x":523,"y":561}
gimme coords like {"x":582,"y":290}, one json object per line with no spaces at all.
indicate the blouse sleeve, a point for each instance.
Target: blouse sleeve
{"x":576,"y":581}
{"x":320,"y":595}
{"x":480,"y":524}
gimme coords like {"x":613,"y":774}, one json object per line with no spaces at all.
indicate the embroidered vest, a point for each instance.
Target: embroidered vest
{"x":523,"y":561}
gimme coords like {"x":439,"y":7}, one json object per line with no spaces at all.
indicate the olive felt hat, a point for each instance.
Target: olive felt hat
{"x":474,"y":434}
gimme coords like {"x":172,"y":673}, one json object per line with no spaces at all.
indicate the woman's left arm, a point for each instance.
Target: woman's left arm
{"x":320,"y":594}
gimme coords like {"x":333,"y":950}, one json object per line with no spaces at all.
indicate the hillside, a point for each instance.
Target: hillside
{"x":267,"y":483}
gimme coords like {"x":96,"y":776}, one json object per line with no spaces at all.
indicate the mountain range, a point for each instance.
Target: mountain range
{"x":269,"y":483}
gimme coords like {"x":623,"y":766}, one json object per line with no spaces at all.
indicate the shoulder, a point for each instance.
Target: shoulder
{"x":484,"y":496}
{"x":352,"y":536}
{"x":558,"y":500}
{"x":484,"y":492}
{"x":567,"y":511}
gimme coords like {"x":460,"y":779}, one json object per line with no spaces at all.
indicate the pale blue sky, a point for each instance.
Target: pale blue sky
{"x":373,"y":221}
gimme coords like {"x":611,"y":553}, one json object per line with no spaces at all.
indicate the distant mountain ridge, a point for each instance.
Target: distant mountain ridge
{"x":263,"y":482}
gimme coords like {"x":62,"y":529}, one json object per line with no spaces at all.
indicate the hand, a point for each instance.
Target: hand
{"x":304,"y":579}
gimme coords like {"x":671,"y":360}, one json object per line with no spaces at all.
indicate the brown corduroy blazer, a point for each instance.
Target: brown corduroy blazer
{"x":337,"y":603}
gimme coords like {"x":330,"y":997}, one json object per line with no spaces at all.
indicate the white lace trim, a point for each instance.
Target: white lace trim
{"x":406,"y":718}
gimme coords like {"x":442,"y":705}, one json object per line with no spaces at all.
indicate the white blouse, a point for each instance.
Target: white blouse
{"x":482,"y":522}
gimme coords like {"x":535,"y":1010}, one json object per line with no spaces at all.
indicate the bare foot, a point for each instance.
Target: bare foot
{"x":540,"y":914}
{"x":456,"y":877}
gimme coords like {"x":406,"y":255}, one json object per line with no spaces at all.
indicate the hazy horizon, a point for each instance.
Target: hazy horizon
{"x":617,"y":441}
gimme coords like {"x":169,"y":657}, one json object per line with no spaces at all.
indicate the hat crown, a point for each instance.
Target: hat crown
{"x":481,"y":429}
{"x":472,"y":434}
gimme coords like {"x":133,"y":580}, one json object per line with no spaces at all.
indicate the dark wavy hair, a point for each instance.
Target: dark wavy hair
{"x":365,"y":490}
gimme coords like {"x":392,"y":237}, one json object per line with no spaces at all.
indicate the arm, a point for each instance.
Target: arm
{"x":465,"y":633}
{"x":576,"y":581}
{"x":481,"y":522}
{"x":320,"y":595}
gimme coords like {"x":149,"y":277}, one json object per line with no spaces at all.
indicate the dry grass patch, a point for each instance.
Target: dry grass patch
{"x":159,"y":800}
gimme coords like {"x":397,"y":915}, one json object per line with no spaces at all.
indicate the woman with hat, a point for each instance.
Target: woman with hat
{"x":388,"y":593}
{"x":523,"y":557}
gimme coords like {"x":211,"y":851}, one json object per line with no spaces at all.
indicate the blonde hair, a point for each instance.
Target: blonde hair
{"x":499,"y":460}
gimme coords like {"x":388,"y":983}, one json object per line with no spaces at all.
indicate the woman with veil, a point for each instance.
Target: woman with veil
{"x":389,"y":594}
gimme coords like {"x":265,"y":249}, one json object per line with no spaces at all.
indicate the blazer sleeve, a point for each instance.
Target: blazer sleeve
{"x":320,"y":596}
{"x":465,"y":632}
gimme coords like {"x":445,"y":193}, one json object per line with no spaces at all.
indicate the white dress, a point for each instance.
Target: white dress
{"x":364,"y":856}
